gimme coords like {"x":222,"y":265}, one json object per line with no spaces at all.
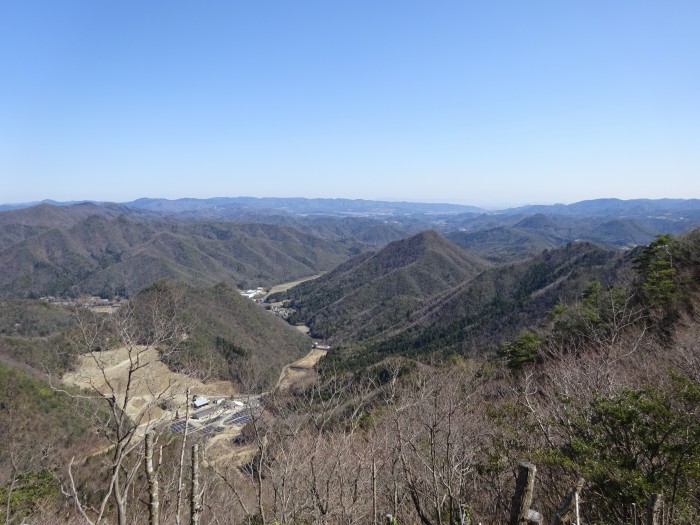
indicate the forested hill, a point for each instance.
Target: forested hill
{"x":510,"y":238}
{"x":479,"y":313}
{"x":108,"y":249}
{"x":504,"y":243}
{"x":102,"y":255}
{"x":227,"y":334}
{"x":230,"y":337}
{"x":501,"y":301}
{"x":374,"y":292}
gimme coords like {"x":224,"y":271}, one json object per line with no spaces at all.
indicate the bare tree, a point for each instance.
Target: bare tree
{"x":435,"y":423}
{"x":124,"y":348}
{"x":180,"y":486}
{"x":152,"y":476}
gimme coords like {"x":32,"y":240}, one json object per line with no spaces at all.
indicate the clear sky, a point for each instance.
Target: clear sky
{"x":477,"y":102}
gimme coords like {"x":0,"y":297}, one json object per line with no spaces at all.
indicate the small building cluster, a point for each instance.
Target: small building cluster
{"x":280,"y":311}
{"x":253,"y":294}
{"x":202,"y":401}
{"x":213,"y":415}
{"x":92,"y":301}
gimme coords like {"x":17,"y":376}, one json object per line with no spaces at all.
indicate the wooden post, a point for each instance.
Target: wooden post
{"x":152,"y":476}
{"x":567,"y":511}
{"x":524,"y":489}
{"x":654,"y":507}
{"x":195,"y":504}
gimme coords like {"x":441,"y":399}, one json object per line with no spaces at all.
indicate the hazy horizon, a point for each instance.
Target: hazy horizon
{"x":487,"y":207}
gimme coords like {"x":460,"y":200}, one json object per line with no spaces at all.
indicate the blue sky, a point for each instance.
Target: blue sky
{"x":486,"y":103}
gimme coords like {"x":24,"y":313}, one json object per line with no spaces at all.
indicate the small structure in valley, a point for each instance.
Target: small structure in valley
{"x":200,"y":401}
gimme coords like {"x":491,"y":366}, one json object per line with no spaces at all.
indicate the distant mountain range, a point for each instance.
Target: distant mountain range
{"x":229,"y":207}
{"x":57,"y":251}
{"x":119,"y":248}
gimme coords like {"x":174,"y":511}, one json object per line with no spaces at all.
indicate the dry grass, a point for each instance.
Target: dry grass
{"x":310,"y":360}
{"x":299,"y":370}
{"x":286,"y":286}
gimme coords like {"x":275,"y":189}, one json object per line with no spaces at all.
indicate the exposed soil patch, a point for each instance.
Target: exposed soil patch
{"x":286,"y":286}
{"x":158,"y":394}
{"x":298,"y":371}
{"x":153,"y":386}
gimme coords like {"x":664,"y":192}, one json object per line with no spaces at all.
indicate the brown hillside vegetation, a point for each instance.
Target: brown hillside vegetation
{"x":470,"y":317}
{"x":375,"y":291}
{"x":604,"y":387}
{"x":105,"y":255}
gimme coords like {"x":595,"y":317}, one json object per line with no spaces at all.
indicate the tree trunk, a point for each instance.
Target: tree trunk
{"x":120,"y":500}
{"x":178,"y":503}
{"x":654,"y":507}
{"x":522,"y":499}
{"x":567,"y":511}
{"x":11,"y":488}
{"x":374,"y":491}
{"x":152,"y":476}
{"x":195,"y":504}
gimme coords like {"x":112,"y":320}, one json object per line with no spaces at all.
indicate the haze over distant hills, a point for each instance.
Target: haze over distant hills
{"x":300,"y":205}
{"x":119,"y":248}
{"x":233,"y":206}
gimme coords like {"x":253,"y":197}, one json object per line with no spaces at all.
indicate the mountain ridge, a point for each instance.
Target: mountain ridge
{"x":374,"y":290}
{"x":114,"y":248}
{"x":490,"y":308}
{"x":102,"y":256}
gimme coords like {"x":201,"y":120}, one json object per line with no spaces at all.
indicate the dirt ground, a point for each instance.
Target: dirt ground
{"x":298,"y":370}
{"x":310,"y":360}
{"x":286,"y":286}
{"x":152,"y":384}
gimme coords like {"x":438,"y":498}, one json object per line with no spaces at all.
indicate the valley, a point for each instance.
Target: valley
{"x":447,"y":347}
{"x":349,"y":263}
{"x":156,"y":397}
